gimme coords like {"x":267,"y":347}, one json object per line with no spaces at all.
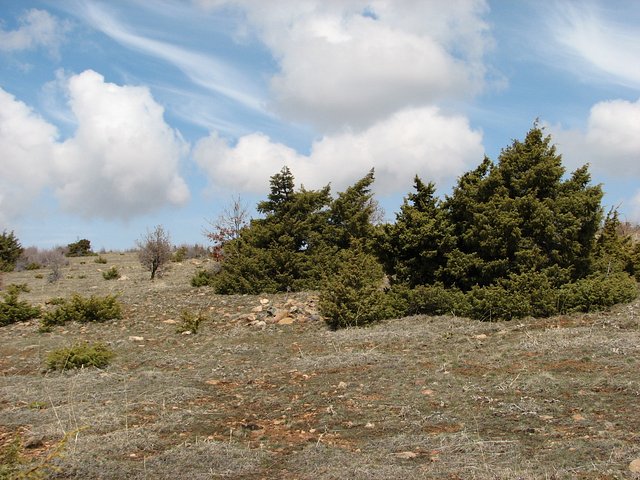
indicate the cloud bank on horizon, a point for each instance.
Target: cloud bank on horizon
{"x":115,"y":110}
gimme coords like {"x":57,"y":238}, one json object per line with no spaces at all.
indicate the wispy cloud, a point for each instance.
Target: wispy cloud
{"x":605,"y":40}
{"x":204,"y":70}
{"x":37,"y":28}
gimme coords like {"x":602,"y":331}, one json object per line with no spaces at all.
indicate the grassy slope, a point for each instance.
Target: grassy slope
{"x":413,"y":398}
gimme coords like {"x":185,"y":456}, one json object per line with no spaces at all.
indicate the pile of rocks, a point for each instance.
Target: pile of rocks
{"x":284,"y":313}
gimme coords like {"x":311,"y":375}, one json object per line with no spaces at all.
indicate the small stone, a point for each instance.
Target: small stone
{"x":257,"y":309}
{"x":406,"y":455}
{"x":286,"y":321}
{"x":170,"y":322}
{"x":133,"y":338}
{"x":482,"y":336}
{"x":294,"y":309}
{"x":187,"y":332}
{"x":123,"y":278}
{"x":342,"y":385}
{"x":634,"y":466}
{"x":251,"y":317}
{"x":259,"y":324}
{"x":264,"y":301}
{"x":427,"y":392}
{"x":370,"y":425}
{"x":578,"y":418}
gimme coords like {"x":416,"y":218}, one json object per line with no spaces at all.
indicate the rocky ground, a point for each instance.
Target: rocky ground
{"x":264,"y":390}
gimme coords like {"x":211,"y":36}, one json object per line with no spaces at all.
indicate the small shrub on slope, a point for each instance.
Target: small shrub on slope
{"x":13,"y":310}
{"x":79,"y":356}
{"x":111,"y":274}
{"x":83,"y":310}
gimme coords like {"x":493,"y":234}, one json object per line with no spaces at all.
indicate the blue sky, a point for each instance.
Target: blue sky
{"x":116,"y":116}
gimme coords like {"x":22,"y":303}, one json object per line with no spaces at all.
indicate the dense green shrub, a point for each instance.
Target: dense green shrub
{"x":111,"y":274}
{"x":203,"y":278}
{"x":82,"y":310}
{"x":597,"y":292}
{"x":353,"y":296}
{"x":427,"y":300}
{"x":10,"y":251}
{"x":13,"y":310}
{"x":80,"y":355}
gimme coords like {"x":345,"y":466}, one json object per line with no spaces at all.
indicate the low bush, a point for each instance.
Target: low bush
{"x":13,"y":310}
{"x":82,"y":310}
{"x":80,"y":356}
{"x":111,"y":274}
{"x":597,"y":292}
{"x":190,"y":322}
{"x":205,"y":277}
{"x":100,"y":259}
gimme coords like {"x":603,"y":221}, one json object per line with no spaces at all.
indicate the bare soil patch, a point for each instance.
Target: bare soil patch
{"x":249,"y":398}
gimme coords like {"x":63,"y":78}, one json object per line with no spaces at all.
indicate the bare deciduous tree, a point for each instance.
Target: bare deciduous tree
{"x":227,"y":227}
{"x":154,"y":250}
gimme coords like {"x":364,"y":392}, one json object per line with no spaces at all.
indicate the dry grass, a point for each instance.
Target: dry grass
{"x":413,"y":398}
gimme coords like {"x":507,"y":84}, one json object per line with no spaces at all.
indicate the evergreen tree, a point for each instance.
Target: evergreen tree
{"x":350,"y":216}
{"x":10,"y":251}
{"x":413,"y":249}
{"x":284,"y":250}
{"x":519,"y":216}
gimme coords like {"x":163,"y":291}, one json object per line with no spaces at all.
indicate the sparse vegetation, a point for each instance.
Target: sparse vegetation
{"x":255,"y":396}
{"x":100,"y":259}
{"x":81,"y":355}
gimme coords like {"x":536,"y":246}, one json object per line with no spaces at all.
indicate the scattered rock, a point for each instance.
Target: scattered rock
{"x":187,"y":332}
{"x":370,"y":425}
{"x":133,"y":338}
{"x":170,"y":322}
{"x":251,"y":317}
{"x":257,"y":309}
{"x":578,"y":418}
{"x":123,"y":278}
{"x":634,"y":466}
{"x":264,"y":301}
{"x":342,"y":385}
{"x":482,"y":336}
{"x":286,"y":321}
{"x":259,"y":324}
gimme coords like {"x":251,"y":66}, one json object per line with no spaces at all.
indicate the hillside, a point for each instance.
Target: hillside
{"x":249,"y":398}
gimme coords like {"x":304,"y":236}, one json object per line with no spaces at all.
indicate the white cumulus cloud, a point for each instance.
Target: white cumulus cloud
{"x":123,"y":159}
{"x":38,"y":28}
{"x":355,"y":62}
{"x":412,"y":141}
{"x":610,"y":142}
{"x":26,"y":143}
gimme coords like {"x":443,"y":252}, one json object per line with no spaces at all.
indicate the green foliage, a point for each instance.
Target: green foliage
{"x":15,"y":466}
{"x":100,"y":259}
{"x":427,"y":300}
{"x":413,"y":250}
{"x":11,"y":460}
{"x":204,"y":277}
{"x":111,"y":274}
{"x":80,"y":355}
{"x":353,"y":296}
{"x":13,"y":310}
{"x":190,"y":322}
{"x":81,"y":248}
{"x":180,"y":254}
{"x":294,"y":246}
{"x":82,"y":310}
{"x":598,"y":292}
{"x":33,"y":266}
{"x":10,"y":251}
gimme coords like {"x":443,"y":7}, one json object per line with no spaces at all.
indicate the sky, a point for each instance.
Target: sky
{"x":120,"y":115}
